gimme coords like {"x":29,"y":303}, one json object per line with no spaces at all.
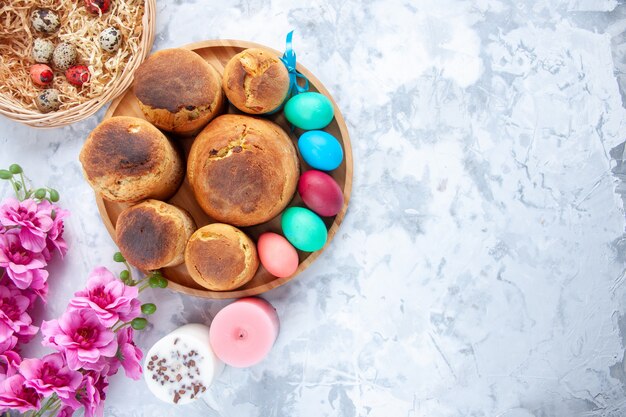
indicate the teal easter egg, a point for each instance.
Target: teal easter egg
{"x":309,"y":111}
{"x":320,"y":150}
{"x":304,"y":229}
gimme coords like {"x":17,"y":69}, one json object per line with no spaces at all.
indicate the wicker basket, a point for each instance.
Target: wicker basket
{"x":14,"y":110}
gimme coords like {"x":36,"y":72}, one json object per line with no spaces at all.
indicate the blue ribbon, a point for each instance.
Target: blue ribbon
{"x":289,"y":59}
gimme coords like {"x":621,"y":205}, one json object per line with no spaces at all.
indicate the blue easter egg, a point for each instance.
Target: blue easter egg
{"x":320,"y":150}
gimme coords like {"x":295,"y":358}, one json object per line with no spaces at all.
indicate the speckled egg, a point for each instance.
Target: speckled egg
{"x":110,"y":39}
{"x":45,"y":20}
{"x":48,"y":100}
{"x":43,"y":50}
{"x":64,"y":56}
{"x":41,"y":75}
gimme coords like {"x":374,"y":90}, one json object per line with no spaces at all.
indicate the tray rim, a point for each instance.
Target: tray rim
{"x":347,"y":188}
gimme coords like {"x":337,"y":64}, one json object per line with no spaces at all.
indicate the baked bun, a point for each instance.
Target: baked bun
{"x":178,"y":91}
{"x":126,"y":159}
{"x":256,"y":81}
{"x":243,"y":171}
{"x":153,"y":234}
{"x":221,"y":257}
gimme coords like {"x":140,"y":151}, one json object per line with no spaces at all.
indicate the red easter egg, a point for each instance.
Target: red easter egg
{"x":77,"y":75}
{"x":97,"y":6}
{"x":320,"y":192}
{"x":41,"y":74}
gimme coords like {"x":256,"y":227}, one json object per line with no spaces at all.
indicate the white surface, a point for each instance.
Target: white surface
{"x":480,"y":267}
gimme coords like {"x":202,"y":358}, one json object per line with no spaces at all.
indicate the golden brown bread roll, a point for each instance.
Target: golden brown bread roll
{"x":178,"y":91}
{"x":153,"y":234}
{"x":243,"y":171}
{"x":221,"y":257}
{"x":126,"y":159}
{"x":256,"y":81}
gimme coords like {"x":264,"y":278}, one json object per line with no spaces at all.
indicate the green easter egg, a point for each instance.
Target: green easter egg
{"x":309,"y":111}
{"x":304,"y":229}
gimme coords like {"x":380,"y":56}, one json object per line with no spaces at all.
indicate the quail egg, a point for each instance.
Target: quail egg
{"x":110,"y":39}
{"x":48,"y":100}
{"x":43,"y":50}
{"x":64,"y":56}
{"x":45,"y":20}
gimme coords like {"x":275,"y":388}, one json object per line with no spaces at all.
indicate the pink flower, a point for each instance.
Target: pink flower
{"x":17,"y":396}
{"x":33,"y":219}
{"x":109,"y":298}
{"x":92,"y":393}
{"x":128,"y":355}
{"x":22,"y":266}
{"x":15,"y":323}
{"x":50,"y":375}
{"x":9,"y":364}
{"x":81,"y":337}
{"x":54,"y":239}
{"x":66,"y":411}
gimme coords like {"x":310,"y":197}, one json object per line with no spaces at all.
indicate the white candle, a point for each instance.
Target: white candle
{"x":180,"y":367}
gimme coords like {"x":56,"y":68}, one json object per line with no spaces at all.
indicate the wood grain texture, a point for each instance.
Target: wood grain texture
{"x":218,"y":52}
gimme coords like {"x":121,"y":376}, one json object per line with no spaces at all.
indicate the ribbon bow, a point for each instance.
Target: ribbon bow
{"x":289,"y":59}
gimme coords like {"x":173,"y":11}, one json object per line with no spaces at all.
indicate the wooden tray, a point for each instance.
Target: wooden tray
{"x":218,"y":52}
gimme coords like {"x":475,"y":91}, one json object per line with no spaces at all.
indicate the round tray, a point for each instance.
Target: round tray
{"x":218,"y":52}
{"x":14,"y":111}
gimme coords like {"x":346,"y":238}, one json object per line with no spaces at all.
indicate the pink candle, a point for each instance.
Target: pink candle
{"x":243,"y":333}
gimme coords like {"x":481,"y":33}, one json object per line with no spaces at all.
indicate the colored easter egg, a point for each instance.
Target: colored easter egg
{"x":277,"y":255}
{"x":320,"y":192}
{"x":309,"y":111}
{"x":304,"y":229}
{"x":77,"y":75}
{"x":320,"y":150}
{"x":97,"y":6}
{"x":41,"y":74}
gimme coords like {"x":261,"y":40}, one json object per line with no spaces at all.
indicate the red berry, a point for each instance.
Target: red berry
{"x":41,"y":74}
{"x":77,"y":75}
{"x":97,"y":6}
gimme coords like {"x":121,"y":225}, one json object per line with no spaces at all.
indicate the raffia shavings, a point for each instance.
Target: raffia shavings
{"x":78,"y":27}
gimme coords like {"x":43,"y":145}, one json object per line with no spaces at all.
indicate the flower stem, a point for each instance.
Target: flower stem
{"x":15,"y":189}
{"x":121,"y":326}
{"x":46,"y":406}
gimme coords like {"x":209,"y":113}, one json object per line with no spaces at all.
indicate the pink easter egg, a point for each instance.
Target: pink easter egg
{"x":277,"y":255}
{"x":320,"y":192}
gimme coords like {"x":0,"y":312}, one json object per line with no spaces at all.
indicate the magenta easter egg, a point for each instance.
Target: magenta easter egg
{"x":277,"y":255}
{"x":320,"y":192}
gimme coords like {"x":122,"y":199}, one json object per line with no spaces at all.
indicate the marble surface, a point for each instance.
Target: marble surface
{"x":480,"y":270}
